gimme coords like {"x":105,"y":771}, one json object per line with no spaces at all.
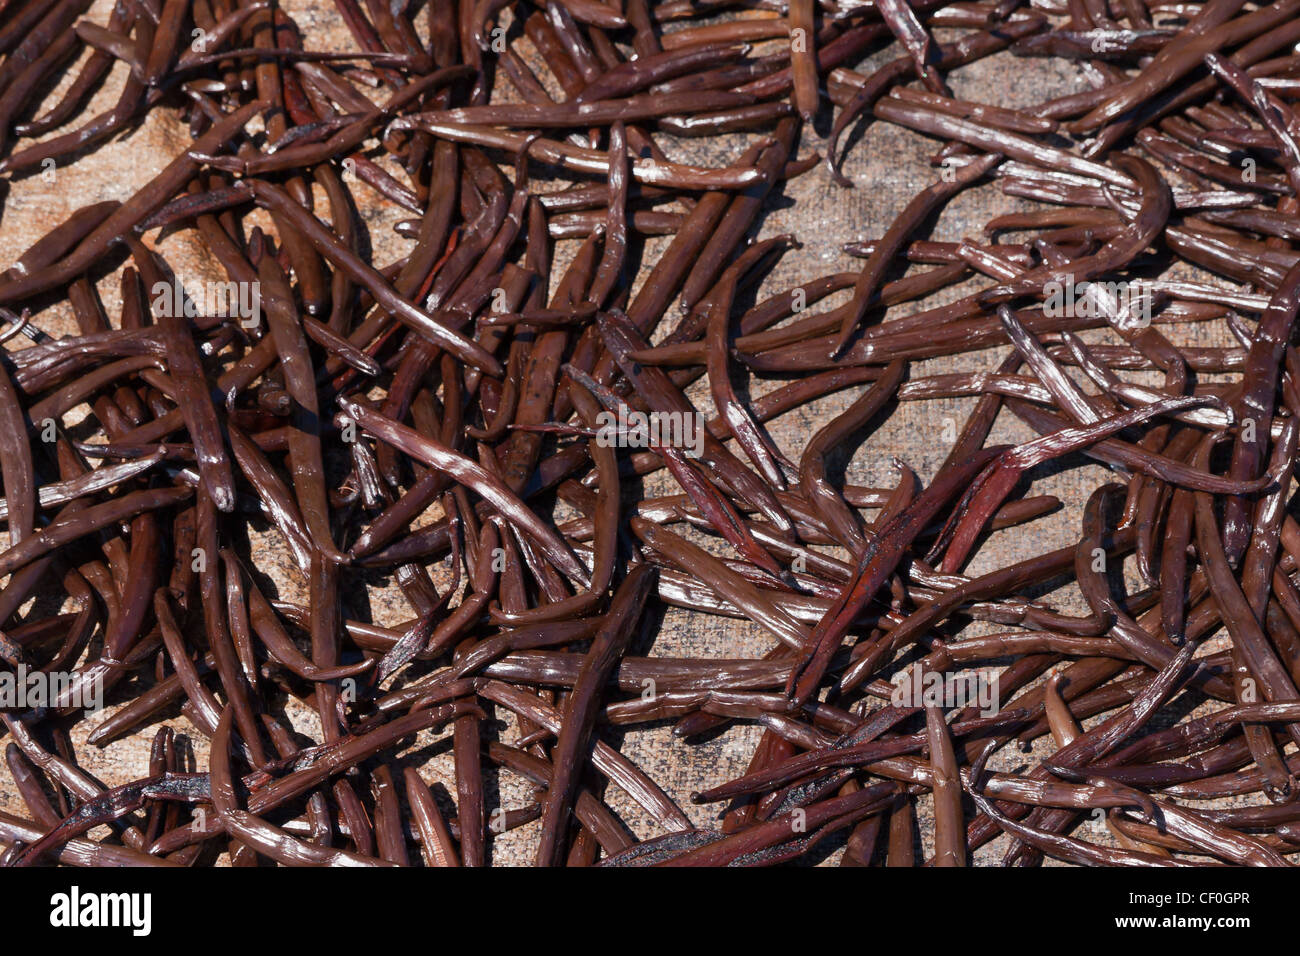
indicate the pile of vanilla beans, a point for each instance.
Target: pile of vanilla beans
{"x":443,"y":421}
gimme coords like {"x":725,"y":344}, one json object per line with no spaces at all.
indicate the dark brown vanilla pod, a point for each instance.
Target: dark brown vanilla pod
{"x":580,"y":712}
